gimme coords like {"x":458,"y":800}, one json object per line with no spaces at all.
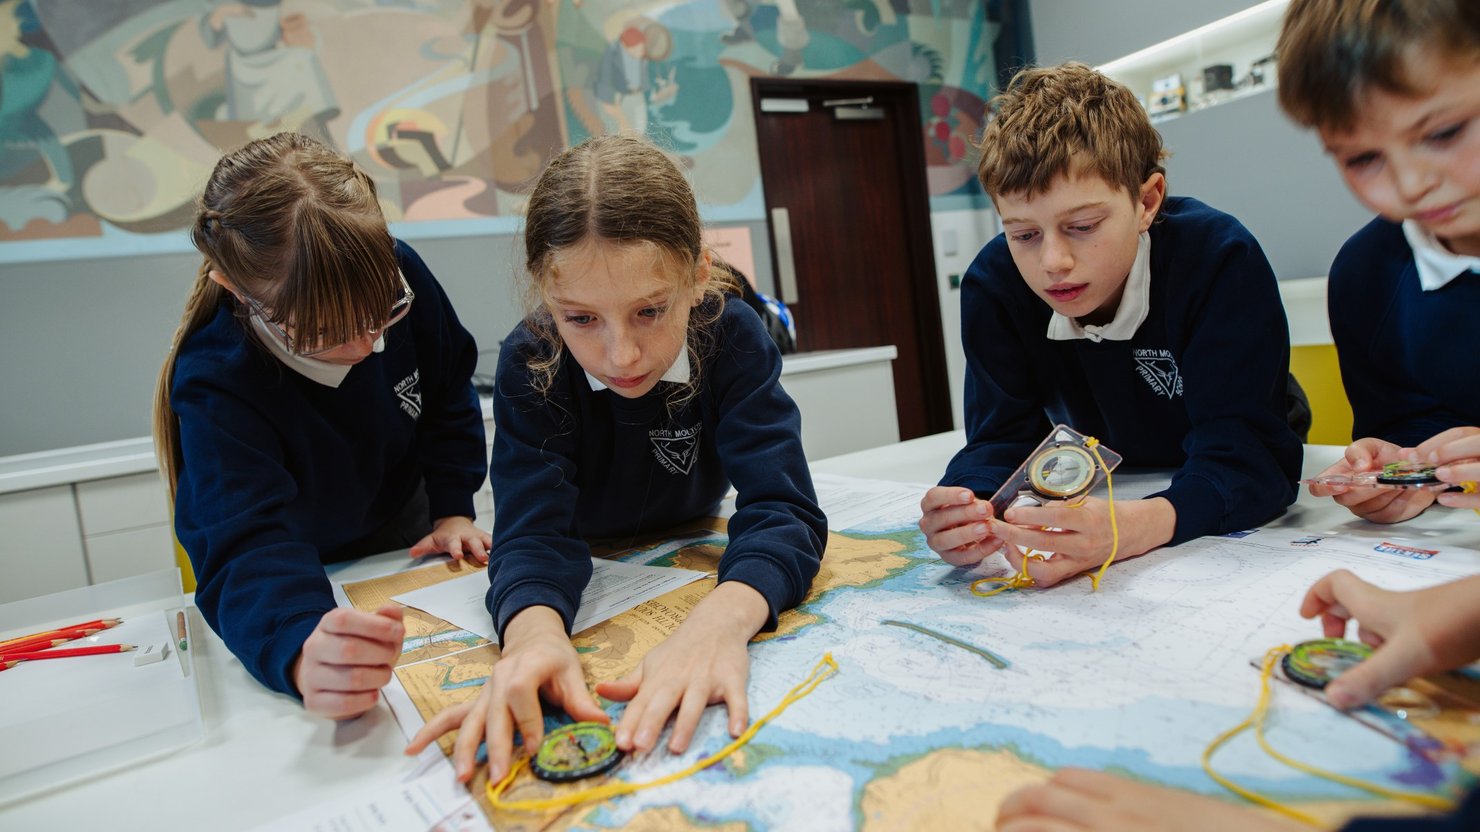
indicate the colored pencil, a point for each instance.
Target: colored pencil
{"x":94,"y":650}
{"x":101,"y":624}
{"x":180,"y":630}
{"x":43,"y":642}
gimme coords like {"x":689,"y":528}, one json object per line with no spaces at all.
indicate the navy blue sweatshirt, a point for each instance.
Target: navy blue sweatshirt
{"x":1466,"y":818}
{"x":1405,"y":360}
{"x":575,"y":464}
{"x":1199,"y":387}
{"x":280,"y":471}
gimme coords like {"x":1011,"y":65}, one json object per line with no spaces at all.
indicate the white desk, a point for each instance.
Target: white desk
{"x":263,"y":758}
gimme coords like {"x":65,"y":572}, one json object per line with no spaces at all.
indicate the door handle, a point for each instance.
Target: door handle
{"x":786,"y":269}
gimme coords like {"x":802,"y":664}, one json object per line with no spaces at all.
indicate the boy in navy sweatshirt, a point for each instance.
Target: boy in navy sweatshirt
{"x":1151,"y":323}
{"x":1393,"y":90}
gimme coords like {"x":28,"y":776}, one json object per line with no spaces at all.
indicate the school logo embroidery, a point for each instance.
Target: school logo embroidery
{"x":408,"y":390}
{"x":1159,"y":369}
{"x":676,"y":450}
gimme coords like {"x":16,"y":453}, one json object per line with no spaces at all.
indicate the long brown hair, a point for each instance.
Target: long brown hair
{"x":619,"y":189}
{"x":297,"y":227}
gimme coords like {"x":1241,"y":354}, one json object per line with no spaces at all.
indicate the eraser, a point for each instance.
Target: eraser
{"x":150,"y":654}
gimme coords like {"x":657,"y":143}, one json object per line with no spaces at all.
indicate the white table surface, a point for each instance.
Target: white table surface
{"x":263,"y":757}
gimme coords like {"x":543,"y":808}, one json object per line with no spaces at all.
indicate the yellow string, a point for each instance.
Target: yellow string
{"x":1469,"y":488}
{"x":1022,"y":580}
{"x":1256,"y":719}
{"x":820,"y":673}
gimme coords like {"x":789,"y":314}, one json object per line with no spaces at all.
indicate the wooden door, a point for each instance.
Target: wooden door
{"x":849,"y":180}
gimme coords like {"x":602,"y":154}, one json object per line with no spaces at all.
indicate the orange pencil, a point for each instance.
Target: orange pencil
{"x":100,"y":624}
{"x":94,"y":650}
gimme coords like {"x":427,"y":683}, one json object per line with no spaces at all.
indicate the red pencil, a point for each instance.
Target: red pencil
{"x":50,"y":640}
{"x":94,"y":650}
{"x":98,"y":624}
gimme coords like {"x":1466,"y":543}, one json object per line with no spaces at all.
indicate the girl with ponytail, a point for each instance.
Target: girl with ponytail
{"x":316,"y":405}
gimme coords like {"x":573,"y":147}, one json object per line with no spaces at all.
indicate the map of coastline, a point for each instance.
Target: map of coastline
{"x":914,"y":732}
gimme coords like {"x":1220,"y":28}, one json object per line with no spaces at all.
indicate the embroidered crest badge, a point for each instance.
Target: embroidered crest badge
{"x":1159,"y":369}
{"x":676,"y":450}
{"x":408,"y":390}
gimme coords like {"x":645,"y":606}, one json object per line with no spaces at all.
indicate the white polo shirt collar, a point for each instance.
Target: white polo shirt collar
{"x":1436,"y":264}
{"x":324,"y":372}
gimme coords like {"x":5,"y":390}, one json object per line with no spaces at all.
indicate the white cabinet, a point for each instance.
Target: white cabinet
{"x":81,"y":515}
{"x":125,"y":525}
{"x":42,"y":549}
{"x":846,"y":398}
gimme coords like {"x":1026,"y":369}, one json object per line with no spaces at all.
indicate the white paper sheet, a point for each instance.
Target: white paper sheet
{"x":614,"y":588}
{"x":429,"y":798}
{"x":850,"y":502}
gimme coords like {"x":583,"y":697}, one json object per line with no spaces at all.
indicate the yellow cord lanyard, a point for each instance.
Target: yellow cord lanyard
{"x":1256,"y":720}
{"x":824,"y":669}
{"x":1022,"y":580}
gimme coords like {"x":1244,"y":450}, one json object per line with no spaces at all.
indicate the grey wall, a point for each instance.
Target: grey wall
{"x":1243,"y":157}
{"x":1099,"y":31}
{"x":83,"y":340}
{"x":1246,"y":158}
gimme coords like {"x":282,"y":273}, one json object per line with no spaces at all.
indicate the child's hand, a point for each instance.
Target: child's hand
{"x":1457,"y":453}
{"x":457,"y":536}
{"x":1414,"y":633}
{"x":1084,"y":539}
{"x":537,"y":659}
{"x":347,"y":659}
{"x":702,"y":664}
{"x":1076,"y":799}
{"x":955,"y":524}
{"x":1378,"y":505}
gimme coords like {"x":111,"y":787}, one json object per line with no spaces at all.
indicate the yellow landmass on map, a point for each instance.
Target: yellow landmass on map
{"x":848,"y":562}
{"x":954,"y":788}
{"x":427,"y":637}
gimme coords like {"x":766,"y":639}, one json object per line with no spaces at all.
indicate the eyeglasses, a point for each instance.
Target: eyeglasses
{"x":306,"y":349}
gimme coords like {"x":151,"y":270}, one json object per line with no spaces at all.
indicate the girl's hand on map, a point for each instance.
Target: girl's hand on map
{"x":458,"y":537}
{"x":347,"y":659}
{"x":704,"y":663}
{"x":1414,"y":633}
{"x":956,"y":525}
{"x":1457,"y":453}
{"x":1083,"y":539}
{"x":1378,"y":505}
{"x":1076,"y":799}
{"x":537,"y":660}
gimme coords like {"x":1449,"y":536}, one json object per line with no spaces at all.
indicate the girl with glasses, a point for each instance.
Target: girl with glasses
{"x":635,"y":392}
{"x":316,"y":405}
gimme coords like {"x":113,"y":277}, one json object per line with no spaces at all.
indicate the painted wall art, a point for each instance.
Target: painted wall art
{"x":113,"y":113}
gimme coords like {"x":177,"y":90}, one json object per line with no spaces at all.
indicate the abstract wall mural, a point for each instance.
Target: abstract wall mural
{"x":112,"y":113}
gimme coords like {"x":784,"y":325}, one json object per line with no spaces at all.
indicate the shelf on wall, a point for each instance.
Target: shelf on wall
{"x":1244,"y":42}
